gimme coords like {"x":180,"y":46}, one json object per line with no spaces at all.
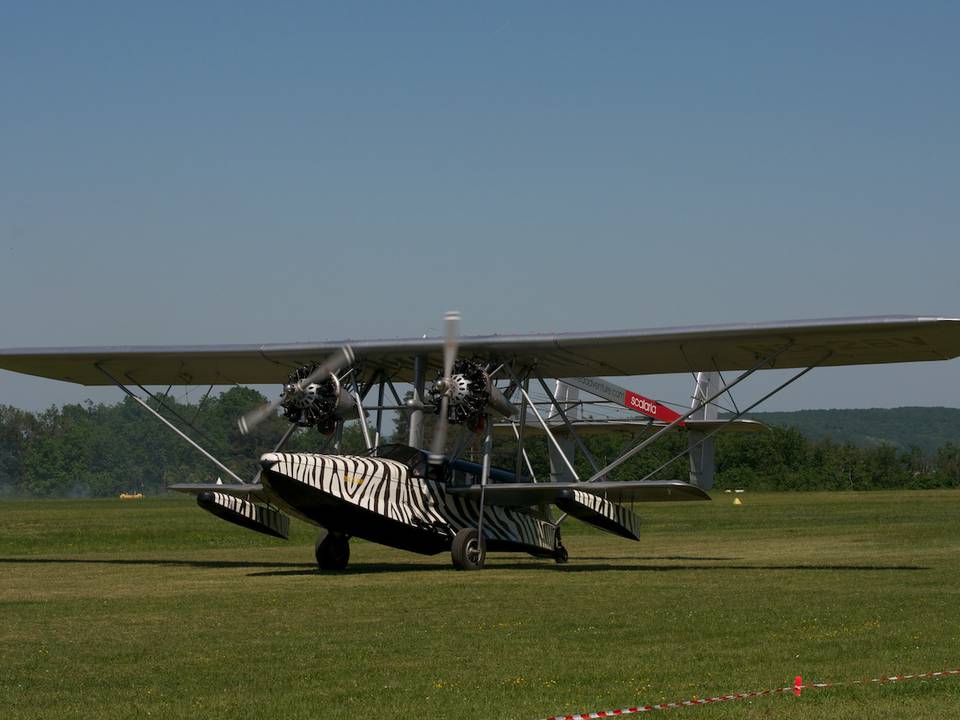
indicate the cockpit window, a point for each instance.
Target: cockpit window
{"x":410,"y":456}
{"x":414,"y":459}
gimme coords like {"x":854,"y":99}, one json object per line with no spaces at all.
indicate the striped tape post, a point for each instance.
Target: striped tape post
{"x":796,"y":688}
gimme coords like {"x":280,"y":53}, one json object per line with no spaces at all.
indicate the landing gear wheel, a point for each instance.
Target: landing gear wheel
{"x":469,"y":550}
{"x":560,"y":555}
{"x":332,"y":550}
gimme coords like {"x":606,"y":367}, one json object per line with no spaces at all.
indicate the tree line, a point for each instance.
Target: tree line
{"x":97,"y":450}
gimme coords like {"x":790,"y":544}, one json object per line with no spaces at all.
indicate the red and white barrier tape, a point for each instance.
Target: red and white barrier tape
{"x":796,"y":688}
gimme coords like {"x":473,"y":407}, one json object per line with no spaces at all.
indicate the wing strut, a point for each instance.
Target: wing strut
{"x":276,"y":448}
{"x":358,"y":399}
{"x":640,"y":446}
{"x":573,"y":433}
{"x":381,"y":378}
{"x":416,"y":415}
{"x":543,"y":424}
{"x":170,"y":425}
{"x":159,"y":400}
{"x":484,"y":476}
{"x":520,"y":427}
{"x":739,"y":413}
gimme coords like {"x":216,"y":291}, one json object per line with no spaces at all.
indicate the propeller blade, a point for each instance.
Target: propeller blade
{"x":440,"y":434}
{"x":248,"y":422}
{"x":341,"y":359}
{"x":332,"y":365}
{"x":451,"y":343}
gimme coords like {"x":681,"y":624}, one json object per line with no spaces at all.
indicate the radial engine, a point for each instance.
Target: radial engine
{"x":318,"y":404}
{"x":471,"y":395}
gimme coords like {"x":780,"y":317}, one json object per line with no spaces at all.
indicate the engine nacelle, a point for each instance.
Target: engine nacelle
{"x":471,"y":395}
{"x":320,"y":404}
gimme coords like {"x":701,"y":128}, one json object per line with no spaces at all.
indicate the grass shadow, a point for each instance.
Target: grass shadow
{"x":633,"y":567}
{"x":654,"y":558}
{"x":357,"y":569}
{"x":574,"y":566}
{"x":157,"y":562}
{"x":280,"y":569}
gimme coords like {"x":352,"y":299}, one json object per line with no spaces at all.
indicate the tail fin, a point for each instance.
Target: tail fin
{"x":702,"y":451}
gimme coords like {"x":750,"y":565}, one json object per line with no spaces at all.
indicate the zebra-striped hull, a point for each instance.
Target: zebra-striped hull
{"x":381,"y":500}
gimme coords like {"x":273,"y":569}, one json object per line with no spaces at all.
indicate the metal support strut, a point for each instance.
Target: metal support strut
{"x":361,"y":413}
{"x":380,"y":388}
{"x":570,"y":429}
{"x":170,"y":425}
{"x":484,"y":475}
{"x":416,"y":416}
{"x":276,"y":448}
{"x":544,"y":425}
{"x":637,"y":448}
{"x":519,"y":431}
{"x":737,"y":416}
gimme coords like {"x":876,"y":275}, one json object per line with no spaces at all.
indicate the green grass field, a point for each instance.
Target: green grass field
{"x":130,"y":609}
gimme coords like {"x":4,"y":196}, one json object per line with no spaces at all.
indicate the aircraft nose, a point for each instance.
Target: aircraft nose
{"x":268,"y":460}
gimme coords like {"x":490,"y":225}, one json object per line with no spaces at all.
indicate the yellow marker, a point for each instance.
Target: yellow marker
{"x":737,"y":501}
{"x":131,"y":496}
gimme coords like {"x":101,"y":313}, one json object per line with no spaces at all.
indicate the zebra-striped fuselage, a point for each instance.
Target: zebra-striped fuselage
{"x":384,"y":501}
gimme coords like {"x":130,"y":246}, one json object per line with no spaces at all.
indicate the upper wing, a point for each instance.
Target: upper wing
{"x":851,"y":341}
{"x":525,"y":494}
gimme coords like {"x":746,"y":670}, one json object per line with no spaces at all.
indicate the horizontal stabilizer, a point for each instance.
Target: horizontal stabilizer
{"x":726,"y":426}
{"x":594,"y":427}
{"x":526,"y":494}
{"x":627,"y":398}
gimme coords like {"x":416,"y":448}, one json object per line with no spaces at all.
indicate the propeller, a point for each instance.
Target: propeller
{"x":450,"y":344}
{"x":331,"y":366}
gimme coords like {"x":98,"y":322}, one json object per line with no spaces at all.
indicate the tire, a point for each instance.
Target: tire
{"x":468,"y":550}
{"x":332,"y":551}
{"x":561,"y":555}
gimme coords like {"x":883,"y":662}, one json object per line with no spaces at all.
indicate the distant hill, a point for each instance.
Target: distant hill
{"x":924,"y":427}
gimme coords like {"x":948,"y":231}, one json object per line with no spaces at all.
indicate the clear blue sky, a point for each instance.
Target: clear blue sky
{"x":238,"y":172}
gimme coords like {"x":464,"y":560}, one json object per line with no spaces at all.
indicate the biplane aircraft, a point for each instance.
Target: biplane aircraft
{"x":432,"y":501}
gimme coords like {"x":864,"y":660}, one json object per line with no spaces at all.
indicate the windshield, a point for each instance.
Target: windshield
{"x":394,"y":451}
{"x":414,"y":459}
